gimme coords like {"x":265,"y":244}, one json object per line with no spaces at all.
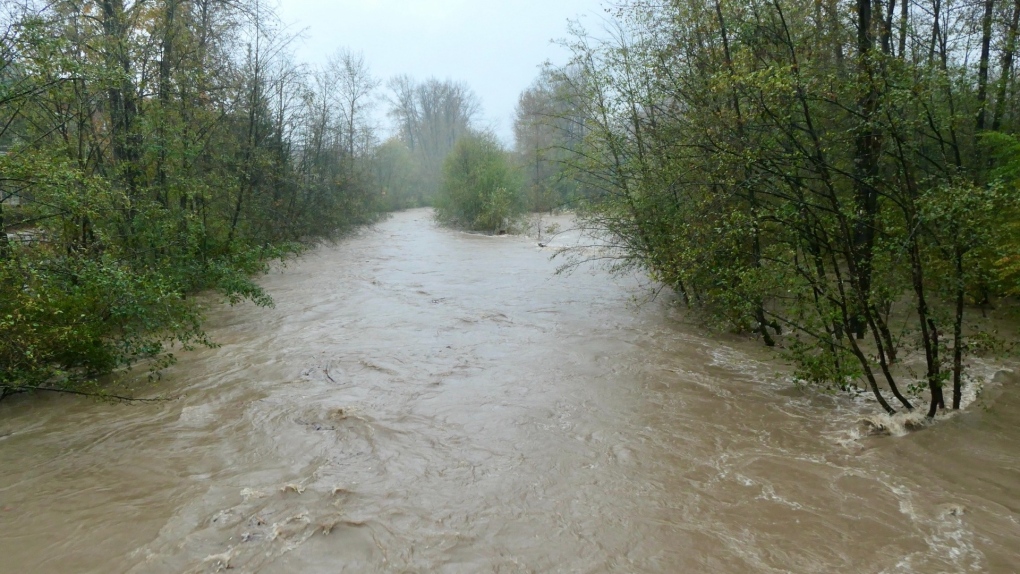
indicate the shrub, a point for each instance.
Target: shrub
{"x":481,"y":188}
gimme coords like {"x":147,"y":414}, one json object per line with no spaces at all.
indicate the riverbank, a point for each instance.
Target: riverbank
{"x":425,"y":399}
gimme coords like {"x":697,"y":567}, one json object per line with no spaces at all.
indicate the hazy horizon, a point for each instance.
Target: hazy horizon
{"x":496,"y":49}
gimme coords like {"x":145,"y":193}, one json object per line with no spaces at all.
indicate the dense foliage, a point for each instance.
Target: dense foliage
{"x":548,"y":131}
{"x":151,"y":150}
{"x":481,"y":189}
{"x":837,"y":177}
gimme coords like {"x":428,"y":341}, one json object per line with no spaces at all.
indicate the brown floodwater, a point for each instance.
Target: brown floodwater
{"x":423,"y":400}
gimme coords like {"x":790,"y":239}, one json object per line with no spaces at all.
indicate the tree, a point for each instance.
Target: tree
{"x":481,"y":188}
{"x":157,"y":149}
{"x":547,"y":130}
{"x":808,"y":172}
{"x":397,"y":173}
{"x":430,"y":117}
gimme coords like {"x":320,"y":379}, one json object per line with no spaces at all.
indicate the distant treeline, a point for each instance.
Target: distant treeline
{"x":838,"y":177}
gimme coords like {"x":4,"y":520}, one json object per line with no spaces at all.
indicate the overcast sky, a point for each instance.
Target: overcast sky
{"x":494,"y":46}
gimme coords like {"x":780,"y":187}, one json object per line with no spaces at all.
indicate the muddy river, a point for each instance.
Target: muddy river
{"x":423,"y":400}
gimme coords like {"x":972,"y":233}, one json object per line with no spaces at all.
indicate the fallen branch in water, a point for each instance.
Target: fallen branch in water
{"x":8,"y":391}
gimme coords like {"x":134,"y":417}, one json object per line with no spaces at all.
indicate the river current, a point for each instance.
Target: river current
{"x":424,"y":400}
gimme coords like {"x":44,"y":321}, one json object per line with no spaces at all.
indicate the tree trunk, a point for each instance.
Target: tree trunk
{"x":958,"y":333}
{"x":935,"y":31}
{"x":904,"y":11}
{"x":125,"y":142}
{"x":866,"y":161}
{"x":5,"y":244}
{"x":929,"y":332}
{"x":986,"y":41}
{"x":759,"y":307}
{"x":163,"y":95}
{"x":1007,"y":66}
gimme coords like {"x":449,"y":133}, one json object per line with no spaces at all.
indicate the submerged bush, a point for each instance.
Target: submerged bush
{"x":481,"y":188}
{"x":67,"y":321}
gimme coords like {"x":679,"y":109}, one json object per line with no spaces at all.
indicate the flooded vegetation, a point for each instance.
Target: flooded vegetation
{"x":423,"y":399}
{"x":731,"y":289}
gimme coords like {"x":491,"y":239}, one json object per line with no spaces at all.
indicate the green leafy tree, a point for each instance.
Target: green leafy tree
{"x":481,"y":187}
{"x":152,"y":150}
{"x":813,"y":173}
{"x":398,"y":175}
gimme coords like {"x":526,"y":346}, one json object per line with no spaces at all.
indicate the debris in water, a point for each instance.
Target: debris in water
{"x":315,"y":425}
{"x":290,"y":527}
{"x":223,"y":517}
{"x":222,"y":560}
{"x":953,"y":509}
{"x":249,"y":493}
{"x":898,"y":424}
{"x":291,"y":487}
{"x":327,"y":526}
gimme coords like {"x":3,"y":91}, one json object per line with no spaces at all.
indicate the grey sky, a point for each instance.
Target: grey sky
{"x":494,"y":46}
